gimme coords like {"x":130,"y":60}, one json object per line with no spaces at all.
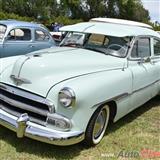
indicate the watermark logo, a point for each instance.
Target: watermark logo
{"x":147,"y":153}
{"x":130,"y":154}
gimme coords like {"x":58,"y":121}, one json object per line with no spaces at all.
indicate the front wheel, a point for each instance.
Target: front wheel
{"x":97,"y":126}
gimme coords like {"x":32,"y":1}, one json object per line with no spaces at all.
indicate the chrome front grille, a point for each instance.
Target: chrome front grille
{"x":17,"y":101}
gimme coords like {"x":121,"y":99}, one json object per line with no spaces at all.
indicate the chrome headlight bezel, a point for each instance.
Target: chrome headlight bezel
{"x":67,"y":97}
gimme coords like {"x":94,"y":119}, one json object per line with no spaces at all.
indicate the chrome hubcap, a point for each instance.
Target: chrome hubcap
{"x":100,"y":123}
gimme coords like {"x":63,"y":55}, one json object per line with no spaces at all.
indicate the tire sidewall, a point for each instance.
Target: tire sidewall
{"x":89,"y":136}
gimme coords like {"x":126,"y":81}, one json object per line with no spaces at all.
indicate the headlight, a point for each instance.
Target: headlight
{"x":67,"y":97}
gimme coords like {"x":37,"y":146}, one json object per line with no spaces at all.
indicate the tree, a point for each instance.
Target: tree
{"x":125,"y":9}
{"x":112,"y":9}
{"x":94,"y":8}
{"x":77,"y":9}
{"x":71,"y":8}
{"x":30,"y":8}
{"x":132,"y":10}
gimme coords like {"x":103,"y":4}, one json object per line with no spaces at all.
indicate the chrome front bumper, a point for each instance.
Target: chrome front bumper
{"x":23,"y":127}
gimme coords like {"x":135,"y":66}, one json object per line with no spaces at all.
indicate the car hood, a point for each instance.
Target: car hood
{"x":44,"y":69}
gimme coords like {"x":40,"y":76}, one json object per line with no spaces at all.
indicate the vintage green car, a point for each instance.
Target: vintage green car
{"x":102,"y":70}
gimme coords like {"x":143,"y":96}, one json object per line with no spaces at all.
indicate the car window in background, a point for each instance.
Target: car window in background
{"x":2,"y":31}
{"x":41,"y":36}
{"x":156,"y":47}
{"x":73,"y":38}
{"x":141,"y":48}
{"x":19,"y":34}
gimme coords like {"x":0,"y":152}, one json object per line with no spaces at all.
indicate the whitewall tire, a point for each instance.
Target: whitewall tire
{"x":97,"y":126}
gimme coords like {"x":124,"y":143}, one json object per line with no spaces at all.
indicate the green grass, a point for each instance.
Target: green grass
{"x":136,"y":131}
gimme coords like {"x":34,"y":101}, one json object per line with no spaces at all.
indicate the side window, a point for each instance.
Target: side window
{"x":156,"y":47}
{"x":141,"y":48}
{"x":19,"y":34}
{"x":41,"y":36}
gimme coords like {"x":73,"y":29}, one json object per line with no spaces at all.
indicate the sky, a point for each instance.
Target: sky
{"x":154,"y":9}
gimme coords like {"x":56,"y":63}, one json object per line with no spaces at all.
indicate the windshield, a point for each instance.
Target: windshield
{"x":2,"y":31}
{"x":109,"y":45}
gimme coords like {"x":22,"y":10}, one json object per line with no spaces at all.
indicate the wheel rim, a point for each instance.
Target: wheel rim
{"x":100,"y":124}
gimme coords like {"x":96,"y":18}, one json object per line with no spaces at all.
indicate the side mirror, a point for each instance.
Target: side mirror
{"x":147,"y":60}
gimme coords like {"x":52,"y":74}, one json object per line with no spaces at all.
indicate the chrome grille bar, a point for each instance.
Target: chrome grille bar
{"x":23,"y":105}
{"x":24,"y":94}
{"x":18,"y":101}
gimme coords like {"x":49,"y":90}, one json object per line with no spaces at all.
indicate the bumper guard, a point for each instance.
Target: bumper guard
{"x":23,"y":127}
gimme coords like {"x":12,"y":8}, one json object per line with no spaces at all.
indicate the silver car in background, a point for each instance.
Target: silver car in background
{"x":19,"y":37}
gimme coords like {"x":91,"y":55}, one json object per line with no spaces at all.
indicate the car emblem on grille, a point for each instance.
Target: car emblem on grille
{"x":20,"y":80}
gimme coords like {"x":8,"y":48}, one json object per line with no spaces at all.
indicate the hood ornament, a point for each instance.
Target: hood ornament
{"x":20,"y":80}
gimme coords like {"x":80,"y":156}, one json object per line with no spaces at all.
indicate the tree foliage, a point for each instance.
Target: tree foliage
{"x":133,"y":10}
{"x":76,"y":9}
{"x":30,"y":8}
{"x":14,"y":16}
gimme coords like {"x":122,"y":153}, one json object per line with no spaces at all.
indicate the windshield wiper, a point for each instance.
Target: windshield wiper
{"x":70,"y":44}
{"x":101,"y":50}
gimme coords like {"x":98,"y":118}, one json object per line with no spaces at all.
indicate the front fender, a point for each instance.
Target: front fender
{"x":91,"y":90}
{"x":6,"y":62}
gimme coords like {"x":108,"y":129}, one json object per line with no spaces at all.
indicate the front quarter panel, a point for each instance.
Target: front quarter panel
{"x":91,"y":90}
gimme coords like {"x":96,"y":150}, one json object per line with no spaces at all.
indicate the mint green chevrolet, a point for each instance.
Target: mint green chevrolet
{"x":102,"y":70}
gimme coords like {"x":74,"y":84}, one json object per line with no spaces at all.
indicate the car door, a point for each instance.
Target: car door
{"x":17,"y":42}
{"x":143,"y":72}
{"x":42,"y":39}
{"x":156,"y":59}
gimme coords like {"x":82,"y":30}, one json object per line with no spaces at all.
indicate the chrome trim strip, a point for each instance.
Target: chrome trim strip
{"x":118,"y":97}
{"x":120,"y":68}
{"x":145,"y":87}
{"x":20,"y":80}
{"x":156,"y":57}
{"x":124,"y":95}
{"x":24,"y":127}
{"x":143,"y":59}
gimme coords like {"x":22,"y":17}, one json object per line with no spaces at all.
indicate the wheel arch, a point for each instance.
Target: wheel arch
{"x":113,"y":110}
{"x":89,"y":129}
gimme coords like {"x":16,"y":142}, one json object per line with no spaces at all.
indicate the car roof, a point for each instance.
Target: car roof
{"x":111,"y":29}
{"x":121,"y":21}
{"x":12,"y":23}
